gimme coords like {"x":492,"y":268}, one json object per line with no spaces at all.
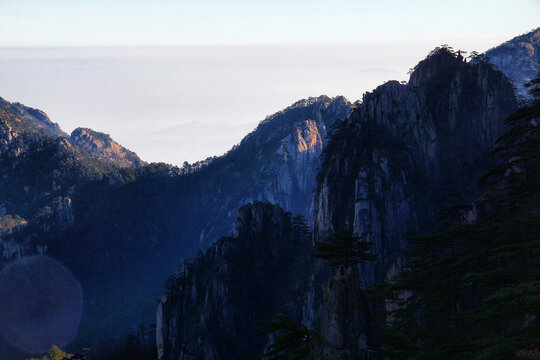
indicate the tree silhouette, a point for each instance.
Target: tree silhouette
{"x":344,"y":249}
{"x":292,"y":341}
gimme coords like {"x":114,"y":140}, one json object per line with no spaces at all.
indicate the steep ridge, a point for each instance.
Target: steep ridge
{"x":518,"y":58}
{"x":101,"y":146}
{"x":152,"y":216}
{"x":212,"y":305}
{"x":404,"y":152}
{"x":277,"y":163}
{"x":479,"y":270}
{"x":408,"y":150}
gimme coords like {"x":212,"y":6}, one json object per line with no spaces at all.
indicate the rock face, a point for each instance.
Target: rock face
{"x":101,"y":146}
{"x":346,"y":323}
{"x":518,"y":58}
{"x":211,"y":307}
{"x":408,"y":150}
{"x":277,"y":163}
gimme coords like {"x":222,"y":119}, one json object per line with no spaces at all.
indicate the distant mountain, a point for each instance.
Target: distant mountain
{"x":518,"y":58}
{"x":152,"y":216}
{"x":100,"y":146}
{"x":41,"y":172}
{"x":34,"y":117}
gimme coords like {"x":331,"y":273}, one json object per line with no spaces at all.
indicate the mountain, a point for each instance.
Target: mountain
{"x":518,"y":58}
{"x":404,"y":152}
{"x":34,"y":117}
{"x":152,"y":216}
{"x":382,"y":168}
{"x":277,"y":162}
{"x":479,"y":270}
{"x":40,"y":174}
{"x":408,"y":150}
{"x":101,"y":146}
{"x":212,"y":306}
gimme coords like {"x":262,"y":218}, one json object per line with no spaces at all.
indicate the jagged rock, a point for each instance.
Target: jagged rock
{"x":346,"y":326}
{"x":277,"y":163}
{"x":101,"y":146}
{"x":408,"y":150}
{"x":212,"y":305}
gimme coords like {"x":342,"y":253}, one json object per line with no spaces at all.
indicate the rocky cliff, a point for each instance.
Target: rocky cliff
{"x":151,"y":216}
{"x":277,"y":163}
{"x":408,"y":150}
{"x":346,"y":322}
{"x":101,"y":146}
{"x":211,"y":306}
{"x":518,"y":58}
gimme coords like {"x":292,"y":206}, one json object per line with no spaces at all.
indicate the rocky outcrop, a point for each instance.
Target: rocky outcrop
{"x":101,"y":146}
{"x":518,"y":58}
{"x":277,"y":163}
{"x":211,"y":307}
{"x":408,"y":150}
{"x":346,"y":323}
{"x":33,"y":117}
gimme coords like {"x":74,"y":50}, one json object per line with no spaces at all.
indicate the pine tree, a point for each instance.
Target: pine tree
{"x":344,"y":249}
{"x":292,"y":341}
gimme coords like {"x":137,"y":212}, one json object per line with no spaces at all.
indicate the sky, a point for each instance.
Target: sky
{"x":183,"y":80}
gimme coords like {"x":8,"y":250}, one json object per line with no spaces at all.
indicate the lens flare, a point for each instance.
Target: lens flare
{"x":41,"y":304}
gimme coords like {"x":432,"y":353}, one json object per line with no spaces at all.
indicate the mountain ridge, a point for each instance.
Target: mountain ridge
{"x":518,"y":58}
{"x":101,"y":146}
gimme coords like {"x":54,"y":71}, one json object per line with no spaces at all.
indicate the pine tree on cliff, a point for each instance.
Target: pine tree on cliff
{"x":344,"y":249}
{"x":292,"y":341}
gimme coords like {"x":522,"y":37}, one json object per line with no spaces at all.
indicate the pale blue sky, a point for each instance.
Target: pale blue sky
{"x":211,"y":22}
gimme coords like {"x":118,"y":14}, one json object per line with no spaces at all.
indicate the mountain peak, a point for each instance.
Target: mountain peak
{"x":101,"y":146}
{"x":518,"y":58}
{"x":431,"y":66}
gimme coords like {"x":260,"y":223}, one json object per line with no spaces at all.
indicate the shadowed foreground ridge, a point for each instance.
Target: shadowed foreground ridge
{"x":211,"y":306}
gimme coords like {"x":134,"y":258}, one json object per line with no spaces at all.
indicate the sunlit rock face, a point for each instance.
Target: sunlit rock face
{"x":101,"y":146}
{"x":41,"y":304}
{"x":277,"y":163}
{"x":518,"y":58}
{"x":407,"y":151}
{"x":150,"y":216}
